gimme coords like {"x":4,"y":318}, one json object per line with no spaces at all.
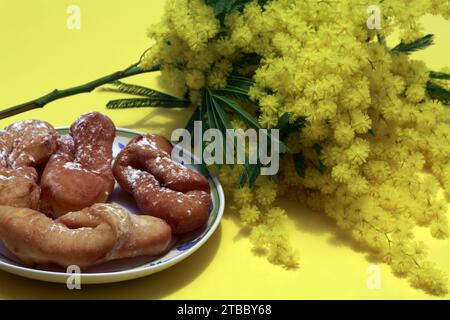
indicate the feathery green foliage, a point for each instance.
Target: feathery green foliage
{"x":133,"y":89}
{"x":224,"y":7}
{"x":147,"y":102}
{"x":439,"y":75}
{"x":437,"y":92}
{"x":299,"y":163}
{"x":150,"y":97}
{"x":418,"y":44}
{"x":247,"y":59}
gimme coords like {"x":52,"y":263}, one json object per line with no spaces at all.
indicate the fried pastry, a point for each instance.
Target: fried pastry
{"x":162,"y":187}
{"x":79,"y":173}
{"x":100,"y":233}
{"x":24,"y":145}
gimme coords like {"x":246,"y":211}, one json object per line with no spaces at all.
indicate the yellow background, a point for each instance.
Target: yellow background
{"x":38,"y":53}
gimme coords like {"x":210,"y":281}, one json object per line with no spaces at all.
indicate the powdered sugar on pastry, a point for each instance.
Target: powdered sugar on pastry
{"x":79,"y":173}
{"x":162,"y":187}
{"x":23,"y":146}
{"x":96,"y":234}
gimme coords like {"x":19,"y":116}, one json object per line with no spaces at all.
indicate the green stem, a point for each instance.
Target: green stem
{"x":84,"y":88}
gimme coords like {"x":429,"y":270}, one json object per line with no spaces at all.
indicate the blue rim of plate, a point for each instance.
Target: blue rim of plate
{"x":178,"y":253}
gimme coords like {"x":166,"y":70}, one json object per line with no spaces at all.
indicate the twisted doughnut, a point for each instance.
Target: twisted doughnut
{"x":79,"y":173}
{"x":162,"y":187}
{"x":24,"y":145}
{"x":97,"y":234}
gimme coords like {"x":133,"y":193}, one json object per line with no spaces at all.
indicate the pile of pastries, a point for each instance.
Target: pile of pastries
{"x":54,"y":192}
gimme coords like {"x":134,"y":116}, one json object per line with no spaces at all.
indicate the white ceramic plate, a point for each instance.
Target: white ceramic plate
{"x":128,"y":269}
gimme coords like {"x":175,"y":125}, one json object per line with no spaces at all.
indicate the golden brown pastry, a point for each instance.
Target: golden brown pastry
{"x":97,"y":234}
{"x":162,"y":187}
{"x":24,"y":145}
{"x":79,"y":173}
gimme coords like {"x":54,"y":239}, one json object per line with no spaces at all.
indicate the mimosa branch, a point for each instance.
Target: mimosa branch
{"x":84,"y":88}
